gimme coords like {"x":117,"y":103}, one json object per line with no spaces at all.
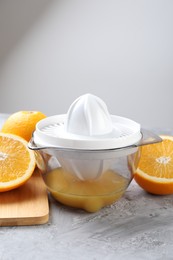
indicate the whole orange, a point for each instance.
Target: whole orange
{"x":22,"y":123}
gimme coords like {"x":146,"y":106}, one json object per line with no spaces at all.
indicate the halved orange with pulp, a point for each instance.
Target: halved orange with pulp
{"x":17,"y":162}
{"x":155,"y":169}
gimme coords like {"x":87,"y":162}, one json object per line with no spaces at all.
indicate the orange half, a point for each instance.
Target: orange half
{"x":155,"y":169}
{"x":17,"y":162}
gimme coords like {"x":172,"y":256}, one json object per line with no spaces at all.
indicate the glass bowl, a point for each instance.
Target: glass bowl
{"x":87,"y":179}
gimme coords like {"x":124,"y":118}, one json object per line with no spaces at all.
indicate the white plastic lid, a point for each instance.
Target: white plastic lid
{"x":87,"y":125}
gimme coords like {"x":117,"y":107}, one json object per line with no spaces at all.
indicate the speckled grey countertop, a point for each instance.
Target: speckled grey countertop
{"x":138,"y":226}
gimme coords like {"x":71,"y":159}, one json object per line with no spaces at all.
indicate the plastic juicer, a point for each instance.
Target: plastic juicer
{"x":88,"y":157}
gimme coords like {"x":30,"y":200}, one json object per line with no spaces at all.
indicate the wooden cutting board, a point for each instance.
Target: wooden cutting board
{"x":26,"y":205}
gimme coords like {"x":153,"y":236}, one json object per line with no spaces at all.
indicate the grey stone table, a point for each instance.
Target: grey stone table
{"x":138,"y":226}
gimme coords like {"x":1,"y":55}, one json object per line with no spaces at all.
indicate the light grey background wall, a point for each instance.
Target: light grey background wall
{"x":51,"y":52}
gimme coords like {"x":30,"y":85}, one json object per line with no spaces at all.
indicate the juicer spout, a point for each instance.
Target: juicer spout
{"x":148,"y":137}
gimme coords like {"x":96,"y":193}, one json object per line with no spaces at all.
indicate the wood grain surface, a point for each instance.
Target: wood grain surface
{"x":26,"y":205}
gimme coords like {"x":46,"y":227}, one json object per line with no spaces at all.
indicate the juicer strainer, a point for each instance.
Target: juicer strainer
{"x":88,"y":132}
